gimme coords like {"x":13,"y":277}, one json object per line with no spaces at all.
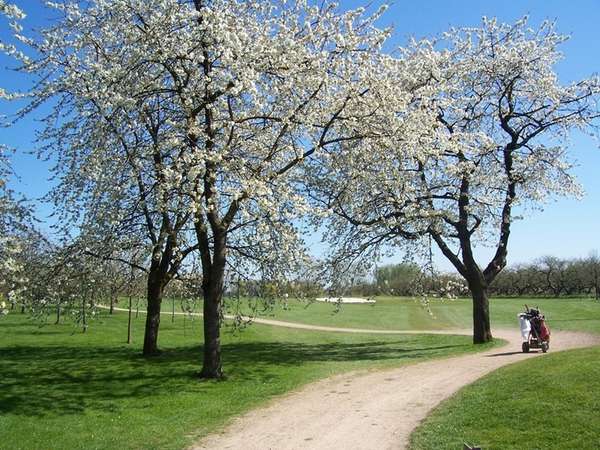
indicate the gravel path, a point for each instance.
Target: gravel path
{"x":376,"y":410}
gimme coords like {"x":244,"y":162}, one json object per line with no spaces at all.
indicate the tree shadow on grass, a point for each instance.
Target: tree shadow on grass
{"x":288,"y":353}
{"x":59,"y":380}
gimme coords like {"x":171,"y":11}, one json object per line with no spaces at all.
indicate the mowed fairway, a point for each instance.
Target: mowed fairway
{"x":61,"y":389}
{"x":398,"y":313}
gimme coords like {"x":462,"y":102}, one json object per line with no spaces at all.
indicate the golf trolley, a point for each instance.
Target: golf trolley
{"x":534,"y":330}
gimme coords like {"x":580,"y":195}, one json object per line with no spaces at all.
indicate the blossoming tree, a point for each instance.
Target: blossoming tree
{"x":485,"y":133}
{"x":15,"y":215}
{"x":185,"y":122}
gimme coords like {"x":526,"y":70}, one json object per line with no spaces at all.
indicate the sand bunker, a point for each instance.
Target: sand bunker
{"x":344,"y":300}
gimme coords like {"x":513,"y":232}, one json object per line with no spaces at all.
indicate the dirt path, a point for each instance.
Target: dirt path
{"x":377,"y":410}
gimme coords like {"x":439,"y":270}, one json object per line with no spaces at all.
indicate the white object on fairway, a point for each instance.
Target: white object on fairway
{"x":525,"y":327}
{"x":344,"y":300}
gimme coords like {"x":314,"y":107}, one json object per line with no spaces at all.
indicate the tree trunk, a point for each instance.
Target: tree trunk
{"x":212,"y":367}
{"x":482,"y":332}
{"x":129,"y":323}
{"x":112,"y":305}
{"x":213,"y":297}
{"x":154,"y":296}
{"x":57,"y":314}
{"x":84,"y":315}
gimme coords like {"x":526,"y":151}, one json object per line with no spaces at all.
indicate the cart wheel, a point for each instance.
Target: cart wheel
{"x":525,"y":347}
{"x":544,"y":347}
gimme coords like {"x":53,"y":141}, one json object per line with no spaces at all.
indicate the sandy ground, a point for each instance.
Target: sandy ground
{"x":344,"y":300}
{"x":377,"y":410}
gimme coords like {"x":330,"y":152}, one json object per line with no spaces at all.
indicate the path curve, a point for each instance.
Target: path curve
{"x":377,"y":410}
{"x":303,"y":326}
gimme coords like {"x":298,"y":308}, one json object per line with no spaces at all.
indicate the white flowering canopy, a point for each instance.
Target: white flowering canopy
{"x":484,"y":130}
{"x":178,"y":117}
{"x":13,"y":213}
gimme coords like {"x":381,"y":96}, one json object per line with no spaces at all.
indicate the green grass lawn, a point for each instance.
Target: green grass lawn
{"x":551,"y":402}
{"x":61,"y":389}
{"x":397,"y":313}
{"x":407,"y":313}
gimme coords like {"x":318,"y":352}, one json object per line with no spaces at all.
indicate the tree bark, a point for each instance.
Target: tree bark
{"x":154,"y":296}
{"x":477,"y":281}
{"x":212,"y":366}
{"x":212,"y":286}
{"x":84,"y":315}
{"x":129,"y":322}
{"x":482,"y":332}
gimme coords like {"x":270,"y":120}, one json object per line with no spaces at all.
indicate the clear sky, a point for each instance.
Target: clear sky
{"x":565,"y":227}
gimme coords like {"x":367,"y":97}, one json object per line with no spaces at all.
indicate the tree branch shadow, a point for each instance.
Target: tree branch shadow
{"x":65,"y":379}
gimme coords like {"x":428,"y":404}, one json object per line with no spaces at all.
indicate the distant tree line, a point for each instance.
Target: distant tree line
{"x":410,"y":279}
{"x":548,"y":276}
{"x":551,"y":276}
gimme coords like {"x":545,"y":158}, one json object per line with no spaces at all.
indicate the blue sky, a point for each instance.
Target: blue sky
{"x":565,"y":227}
